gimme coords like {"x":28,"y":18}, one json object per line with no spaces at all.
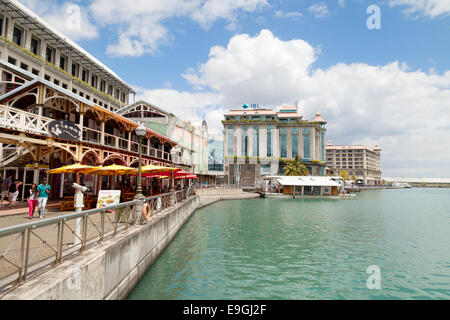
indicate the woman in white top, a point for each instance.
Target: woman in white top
{"x":32,"y":200}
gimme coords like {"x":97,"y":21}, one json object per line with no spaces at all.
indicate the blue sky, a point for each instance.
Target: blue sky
{"x":198,"y":58}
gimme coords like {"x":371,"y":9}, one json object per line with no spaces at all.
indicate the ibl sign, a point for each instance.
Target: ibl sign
{"x":251,"y":106}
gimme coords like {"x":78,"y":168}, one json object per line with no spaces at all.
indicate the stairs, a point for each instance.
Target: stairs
{"x":15,"y":157}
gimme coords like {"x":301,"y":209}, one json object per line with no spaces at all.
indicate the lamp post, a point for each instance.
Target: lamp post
{"x":140,"y":132}
{"x":173,"y":152}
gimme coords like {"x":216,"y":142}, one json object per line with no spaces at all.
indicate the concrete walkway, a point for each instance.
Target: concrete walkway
{"x":210,"y":196}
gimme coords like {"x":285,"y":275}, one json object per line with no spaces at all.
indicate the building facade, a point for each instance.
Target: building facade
{"x":47,"y":81}
{"x":360,"y":161}
{"x":191,"y":138}
{"x":257,"y":142}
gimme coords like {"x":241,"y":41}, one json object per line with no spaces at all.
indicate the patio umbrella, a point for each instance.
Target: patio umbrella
{"x":150,"y":169}
{"x":112,"y":170}
{"x":190,"y":176}
{"x":73,"y":168}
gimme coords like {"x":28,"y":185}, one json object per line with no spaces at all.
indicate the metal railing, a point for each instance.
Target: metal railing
{"x":27,"y":250}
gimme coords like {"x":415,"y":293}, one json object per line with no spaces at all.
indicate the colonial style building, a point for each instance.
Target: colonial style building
{"x":362,"y":162}
{"x":191,"y":138}
{"x":258,"y":141}
{"x":59,"y":105}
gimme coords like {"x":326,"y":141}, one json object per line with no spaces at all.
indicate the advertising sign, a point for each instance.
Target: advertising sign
{"x":108,"y":197}
{"x":64,"y":129}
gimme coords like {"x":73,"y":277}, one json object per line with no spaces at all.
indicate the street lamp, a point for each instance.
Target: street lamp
{"x":173,"y":152}
{"x":140,"y":132}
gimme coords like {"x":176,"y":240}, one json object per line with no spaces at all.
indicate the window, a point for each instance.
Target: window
{"x":283,"y":142}
{"x":110,"y":90}
{"x":74,"y":69}
{"x":1,"y":26}
{"x":56,"y":82}
{"x":123,"y":97}
{"x":294,"y":135}
{"x":102,"y":85}
{"x":24,"y":66}
{"x":49,"y":54}
{"x":117,"y":94}
{"x":34,"y":46}
{"x":94,"y":81}
{"x":62,"y":62}
{"x":47,"y":77}
{"x":269,"y":141}
{"x":244,"y":142}
{"x":84,"y":75}
{"x":230,"y":141}
{"x":306,"y":148}
{"x":74,"y":90}
{"x":64,"y":86}
{"x":34,"y":71}
{"x":17,"y":36}
{"x":12,"y":60}
{"x":256,"y":141}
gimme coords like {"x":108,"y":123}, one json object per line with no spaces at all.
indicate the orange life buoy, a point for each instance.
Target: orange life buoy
{"x":146,"y":211}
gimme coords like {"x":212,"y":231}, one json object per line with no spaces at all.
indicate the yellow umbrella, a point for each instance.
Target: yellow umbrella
{"x":73,"y":168}
{"x":112,"y":170}
{"x":154,"y":169}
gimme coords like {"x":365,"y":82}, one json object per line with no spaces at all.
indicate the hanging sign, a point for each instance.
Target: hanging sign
{"x":64,"y":129}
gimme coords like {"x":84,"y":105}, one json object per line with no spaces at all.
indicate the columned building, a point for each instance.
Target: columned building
{"x":360,"y":161}
{"x":191,"y":138}
{"x":257,"y":142}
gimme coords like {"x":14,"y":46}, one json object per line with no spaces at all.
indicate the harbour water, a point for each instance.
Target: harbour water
{"x":310,"y":249}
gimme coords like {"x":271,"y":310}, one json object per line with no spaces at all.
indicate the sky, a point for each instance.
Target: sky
{"x":377,"y":71}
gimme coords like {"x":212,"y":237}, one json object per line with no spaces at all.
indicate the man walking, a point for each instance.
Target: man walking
{"x":43,"y":192}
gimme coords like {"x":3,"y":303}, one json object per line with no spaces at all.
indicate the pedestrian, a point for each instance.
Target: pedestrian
{"x":43,"y":192}
{"x":32,"y":200}
{"x":13,"y":192}
{"x":5,"y":188}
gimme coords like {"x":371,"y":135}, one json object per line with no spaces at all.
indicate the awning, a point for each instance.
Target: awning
{"x":308,"y":182}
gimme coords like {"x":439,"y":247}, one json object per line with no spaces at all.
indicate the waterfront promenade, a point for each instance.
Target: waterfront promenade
{"x":45,"y":240}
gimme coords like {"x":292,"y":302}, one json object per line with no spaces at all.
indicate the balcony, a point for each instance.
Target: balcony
{"x":23,"y":121}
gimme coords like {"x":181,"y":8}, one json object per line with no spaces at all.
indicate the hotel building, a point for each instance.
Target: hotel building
{"x":362,"y":162}
{"x":47,"y":80}
{"x":257,"y":142}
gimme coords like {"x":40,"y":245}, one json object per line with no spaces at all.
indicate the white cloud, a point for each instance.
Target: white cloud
{"x":287,"y":14}
{"x":69,"y":18}
{"x":320,"y":10}
{"x":341,"y":3}
{"x":404,"y":111}
{"x":193,"y":106}
{"x":430,"y":8}
{"x":142,"y":25}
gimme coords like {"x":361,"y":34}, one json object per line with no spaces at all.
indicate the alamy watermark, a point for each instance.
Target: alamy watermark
{"x":374,"y":280}
{"x":374,"y":20}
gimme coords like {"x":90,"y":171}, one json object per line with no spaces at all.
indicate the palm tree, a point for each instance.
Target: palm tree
{"x":295,"y":168}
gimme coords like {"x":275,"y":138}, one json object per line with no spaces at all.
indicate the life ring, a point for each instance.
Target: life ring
{"x":146,"y":211}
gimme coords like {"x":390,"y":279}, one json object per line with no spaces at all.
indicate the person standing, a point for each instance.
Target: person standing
{"x":32,"y":200}
{"x":5,"y":189}
{"x":13,"y":192}
{"x":43,"y":192}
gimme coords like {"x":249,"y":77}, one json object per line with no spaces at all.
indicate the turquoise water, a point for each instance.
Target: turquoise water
{"x":309,"y":249}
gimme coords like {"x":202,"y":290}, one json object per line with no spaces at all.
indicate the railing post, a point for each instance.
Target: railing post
{"x":84,"y":233}
{"x":60,"y":240}
{"x":27,"y":253}
{"x":102,"y":226}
